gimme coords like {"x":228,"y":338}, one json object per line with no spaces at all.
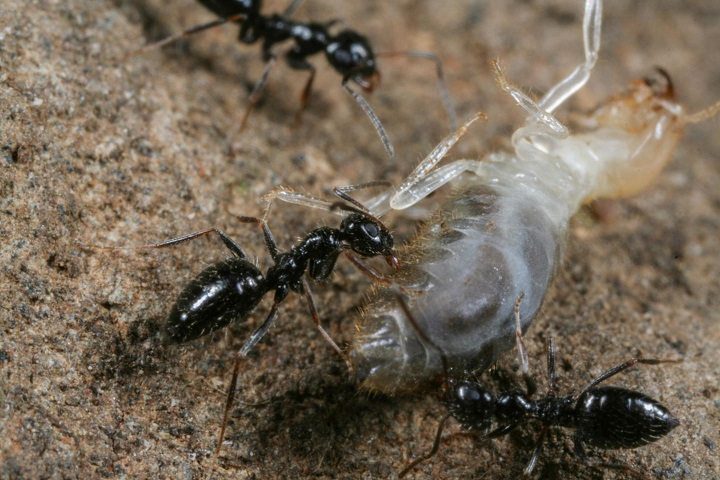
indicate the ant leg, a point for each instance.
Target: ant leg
{"x":228,"y":404}
{"x":443,"y":91}
{"x":296,"y":58}
{"x":257,"y":90}
{"x":422,"y":181}
{"x":535,"y":111}
{"x":592,"y":23}
{"x":611,"y":372}
{"x":260,"y":332}
{"x":500,"y":431}
{"x":185,"y":33}
{"x":305,"y":95}
{"x":536,"y":452}
{"x":323,"y":332}
{"x":229,"y":242}
{"x":292,"y":8}
{"x":267,"y":234}
{"x":582,"y":455}
{"x":431,"y":453}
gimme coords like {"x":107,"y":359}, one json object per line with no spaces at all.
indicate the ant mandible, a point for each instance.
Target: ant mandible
{"x":603,"y":417}
{"x":348,"y":52}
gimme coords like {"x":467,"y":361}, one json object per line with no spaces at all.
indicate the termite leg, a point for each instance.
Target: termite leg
{"x":535,"y":111}
{"x":423,"y":180}
{"x":551,"y":372}
{"x":592,"y":25}
{"x":522,"y":350}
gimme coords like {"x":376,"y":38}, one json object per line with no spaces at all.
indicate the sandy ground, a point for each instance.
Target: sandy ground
{"x":98,"y":150}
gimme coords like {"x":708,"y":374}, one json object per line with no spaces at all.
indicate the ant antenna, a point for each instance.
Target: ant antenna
{"x":362,"y":103}
{"x":443,"y":90}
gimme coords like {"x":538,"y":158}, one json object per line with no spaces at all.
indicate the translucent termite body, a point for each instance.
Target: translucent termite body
{"x":500,"y":235}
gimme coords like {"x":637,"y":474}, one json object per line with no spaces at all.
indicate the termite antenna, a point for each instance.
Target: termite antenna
{"x":362,"y":103}
{"x":702,"y":115}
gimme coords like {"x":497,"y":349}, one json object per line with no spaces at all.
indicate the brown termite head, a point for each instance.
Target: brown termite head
{"x":647,"y":122}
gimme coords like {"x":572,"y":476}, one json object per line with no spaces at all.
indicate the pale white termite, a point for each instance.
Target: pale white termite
{"x":500,"y":234}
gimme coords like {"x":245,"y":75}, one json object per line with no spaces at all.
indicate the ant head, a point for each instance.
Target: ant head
{"x":471,"y":404}
{"x":351,"y":54}
{"x":368,"y":237}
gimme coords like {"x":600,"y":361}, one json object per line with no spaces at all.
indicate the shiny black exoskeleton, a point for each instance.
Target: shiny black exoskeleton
{"x":602,"y":417}
{"x":231,"y":289}
{"x":349,"y":53}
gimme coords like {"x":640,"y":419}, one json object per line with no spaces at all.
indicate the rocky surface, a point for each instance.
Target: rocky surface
{"x":96,"y":149}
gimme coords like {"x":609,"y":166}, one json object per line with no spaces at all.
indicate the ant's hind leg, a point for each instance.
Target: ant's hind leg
{"x":228,"y":403}
{"x":536,"y":452}
{"x":292,"y":8}
{"x":258,"y":89}
{"x":592,"y":23}
{"x":267,"y":234}
{"x":611,"y":372}
{"x":229,"y":242}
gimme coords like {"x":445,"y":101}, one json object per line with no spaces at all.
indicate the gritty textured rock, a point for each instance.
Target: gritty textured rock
{"x":98,"y":149}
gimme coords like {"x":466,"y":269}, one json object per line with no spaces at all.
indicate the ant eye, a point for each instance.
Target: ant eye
{"x":371,"y":230}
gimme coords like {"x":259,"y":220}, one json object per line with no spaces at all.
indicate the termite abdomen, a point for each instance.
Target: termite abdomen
{"x":223,"y":292}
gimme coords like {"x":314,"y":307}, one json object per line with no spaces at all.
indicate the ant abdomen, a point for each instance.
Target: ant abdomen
{"x":223,"y":292}
{"x":613,"y":417}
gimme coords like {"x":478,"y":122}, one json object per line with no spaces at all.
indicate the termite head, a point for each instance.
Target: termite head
{"x":641,"y":127}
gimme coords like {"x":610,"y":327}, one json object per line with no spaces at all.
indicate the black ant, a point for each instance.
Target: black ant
{"x":603,"y":417}
{"x":229,"y":290}
{"x":348,"y":52}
